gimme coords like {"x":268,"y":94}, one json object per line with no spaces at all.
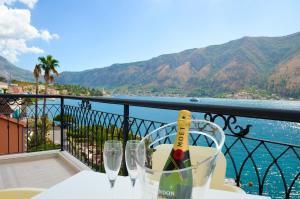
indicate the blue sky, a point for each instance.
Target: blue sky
{"x":97,"y":33}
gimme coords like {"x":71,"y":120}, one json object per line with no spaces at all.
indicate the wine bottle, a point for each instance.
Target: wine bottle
{"x":178,"y":185}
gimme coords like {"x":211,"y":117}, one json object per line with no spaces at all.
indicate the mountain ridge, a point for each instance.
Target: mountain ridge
{"x":183,"y":51}
{"x":10,"y":70}
{"x":228,"y":67}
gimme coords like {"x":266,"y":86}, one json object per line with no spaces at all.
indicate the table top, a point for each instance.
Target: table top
{"x":94,"y":185}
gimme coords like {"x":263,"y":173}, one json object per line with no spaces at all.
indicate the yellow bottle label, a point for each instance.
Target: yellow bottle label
{"x":184,"y":122}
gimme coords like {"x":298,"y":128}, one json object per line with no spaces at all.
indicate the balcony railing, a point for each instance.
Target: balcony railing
{"x":78,"y":125}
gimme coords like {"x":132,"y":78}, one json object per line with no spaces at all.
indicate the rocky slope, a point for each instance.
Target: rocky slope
{"x":8,"y":70}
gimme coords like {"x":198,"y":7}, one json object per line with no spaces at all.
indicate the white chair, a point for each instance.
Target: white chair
{"x":19,"y":193}
{"x":197,"y":153}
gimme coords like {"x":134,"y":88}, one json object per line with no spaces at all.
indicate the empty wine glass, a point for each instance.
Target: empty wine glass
{"x":130,"y":158}
{"x":112,"y":155}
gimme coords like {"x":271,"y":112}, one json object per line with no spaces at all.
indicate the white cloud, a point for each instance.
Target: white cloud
{"x":45,"y":35}
{"x":29,"y":3}
{"x":11,"y":48}
{"x":16,"y":30}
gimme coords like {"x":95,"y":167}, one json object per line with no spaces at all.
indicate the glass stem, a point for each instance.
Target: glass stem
{"x":112,"y":183}
{"x":132,"y":183}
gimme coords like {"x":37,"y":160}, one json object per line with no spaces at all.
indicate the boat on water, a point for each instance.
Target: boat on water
{"x":194,"y":99}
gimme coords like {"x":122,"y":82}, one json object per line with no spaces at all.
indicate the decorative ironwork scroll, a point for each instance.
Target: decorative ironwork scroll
{"x":230,"y":123}
{"x":85,"y":104}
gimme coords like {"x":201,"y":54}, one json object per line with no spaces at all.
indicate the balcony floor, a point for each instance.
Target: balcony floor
{"x":40,"y":169}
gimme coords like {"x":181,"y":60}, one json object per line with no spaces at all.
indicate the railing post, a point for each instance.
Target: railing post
{"x":125,"y":135}
{"x":62,"y":123}
{"x":35,"y":124}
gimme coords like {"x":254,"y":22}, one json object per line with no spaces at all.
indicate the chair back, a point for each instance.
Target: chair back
{"x":19,"y":193}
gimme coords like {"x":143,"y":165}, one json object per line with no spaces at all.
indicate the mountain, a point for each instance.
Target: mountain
{"x":10,"y":70}
{"x":271,"y":63}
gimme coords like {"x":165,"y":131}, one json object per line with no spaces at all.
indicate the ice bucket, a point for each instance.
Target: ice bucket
{"x":205,"y":142}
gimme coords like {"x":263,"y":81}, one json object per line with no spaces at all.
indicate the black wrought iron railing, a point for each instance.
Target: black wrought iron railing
{"x":262,"y":144}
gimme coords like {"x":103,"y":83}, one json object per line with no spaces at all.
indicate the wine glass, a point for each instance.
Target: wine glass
{"x":130,"y":158}
{"x":112,"y":156}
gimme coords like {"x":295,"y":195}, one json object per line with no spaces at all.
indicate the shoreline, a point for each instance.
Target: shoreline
{"x":206,"y":97}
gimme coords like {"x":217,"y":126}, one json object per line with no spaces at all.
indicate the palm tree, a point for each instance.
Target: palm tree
{"x":48,"y":65}
{"x":36,"y":73}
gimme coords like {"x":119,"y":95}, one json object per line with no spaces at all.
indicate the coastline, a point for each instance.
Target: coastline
{"x":277,"y":98}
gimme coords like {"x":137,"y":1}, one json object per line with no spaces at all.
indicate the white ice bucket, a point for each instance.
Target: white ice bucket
{"x":207,"y":139}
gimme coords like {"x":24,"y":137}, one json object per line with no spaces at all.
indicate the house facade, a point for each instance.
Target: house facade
{"x":12,"y":131}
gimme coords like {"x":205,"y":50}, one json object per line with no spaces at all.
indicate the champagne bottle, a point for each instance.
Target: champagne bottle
{"x":178,"y":185}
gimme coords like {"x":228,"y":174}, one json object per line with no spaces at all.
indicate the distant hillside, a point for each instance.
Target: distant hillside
{"x":271,"y":63}
{"x":7,"y":69}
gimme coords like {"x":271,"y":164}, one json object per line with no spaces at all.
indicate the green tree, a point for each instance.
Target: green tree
{"x":49,"y":66}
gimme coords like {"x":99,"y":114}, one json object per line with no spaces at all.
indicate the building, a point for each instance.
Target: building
{"x":52,"y":91}
{"x":12,"y":137}
{"x":29,"y":88}
{"x":15,"y":89}
{"x":12,"y":130}
{"x":41,"y":87}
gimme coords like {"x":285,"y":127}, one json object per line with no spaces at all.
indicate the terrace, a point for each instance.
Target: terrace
{"x":67,"y":136}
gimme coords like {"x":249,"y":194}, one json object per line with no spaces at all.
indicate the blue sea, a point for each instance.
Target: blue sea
{"x":280,"y":131}
{"x":287,"y":132}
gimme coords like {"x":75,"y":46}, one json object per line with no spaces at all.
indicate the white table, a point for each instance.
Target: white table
{"x":93,"y":185}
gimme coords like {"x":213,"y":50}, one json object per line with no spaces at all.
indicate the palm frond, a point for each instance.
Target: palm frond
{"x":55,"y":71}
{"x":37,"y":71}
{"x":51,"y":78}
{"x":49,"y":65}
